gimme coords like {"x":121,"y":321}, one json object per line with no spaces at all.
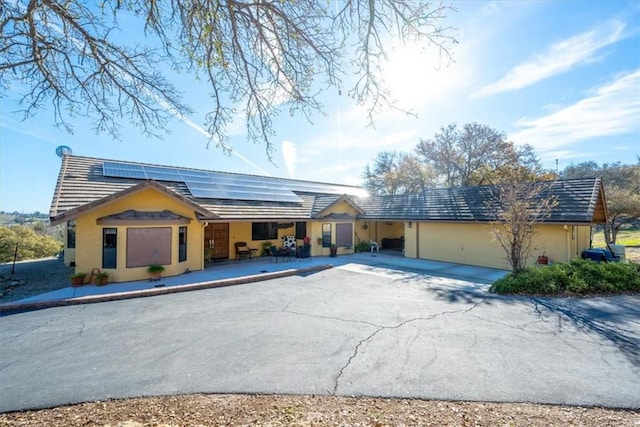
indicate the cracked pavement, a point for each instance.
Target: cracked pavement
{"x":351,"y":330}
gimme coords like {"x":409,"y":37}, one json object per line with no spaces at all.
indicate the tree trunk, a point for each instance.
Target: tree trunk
{"x":614,"y":233}
{"x":607,"y":233}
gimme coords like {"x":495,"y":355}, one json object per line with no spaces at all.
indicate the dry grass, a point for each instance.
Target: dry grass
{"x":249,"y":410}
{"x":626,"y":237}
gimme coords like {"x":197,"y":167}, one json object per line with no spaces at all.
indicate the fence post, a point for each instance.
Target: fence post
{"x":15,"y":255}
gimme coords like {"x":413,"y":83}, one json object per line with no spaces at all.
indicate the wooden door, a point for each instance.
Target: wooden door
{"x":216,"y":239}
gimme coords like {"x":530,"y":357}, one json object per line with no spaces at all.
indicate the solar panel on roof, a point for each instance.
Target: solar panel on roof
{"x":313,"y":187}
{"x":162,"y":174}
{"x":123,"y":170}
{"x":218,"y":185}
{"x":218,"y":191}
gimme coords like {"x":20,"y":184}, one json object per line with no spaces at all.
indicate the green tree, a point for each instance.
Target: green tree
{"x":30,"y":244}
{"x":476,"y":154}
{"x":397,"y":173}
{"x":622,"y":191}
{"x":255,"y":56}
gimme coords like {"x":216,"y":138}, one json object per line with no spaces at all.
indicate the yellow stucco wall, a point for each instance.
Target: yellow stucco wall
{"x":410,"y":239}
{"x":472,"y":244}
{"x":88,"y":254}
{"x":241,"y":232}
{"x":362,"y":231}
{"x":583,"y":236}
{"x":315,"y":228}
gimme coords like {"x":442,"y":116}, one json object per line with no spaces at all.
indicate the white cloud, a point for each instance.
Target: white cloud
{"x":559,"y":58}
{"x":20,"y":127}
{"x":290,"y":157}
{"x":613,"y":109}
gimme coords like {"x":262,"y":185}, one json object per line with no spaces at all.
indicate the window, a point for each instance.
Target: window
{"x":264,"y":230}
{"x":71,"y":234}
{"x":344,"y":235}
{"x":109,"y":247}
{"x":182,"y":244}
{"x":301,"y":230}
{"x":146,"y":246}
{"x":326,"y":235}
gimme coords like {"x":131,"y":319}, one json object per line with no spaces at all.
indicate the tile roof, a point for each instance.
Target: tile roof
{"x":81,"y":183}
{"x":578,"y":201}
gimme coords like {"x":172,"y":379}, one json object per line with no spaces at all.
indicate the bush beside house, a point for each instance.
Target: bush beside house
{"x":579,"y":277}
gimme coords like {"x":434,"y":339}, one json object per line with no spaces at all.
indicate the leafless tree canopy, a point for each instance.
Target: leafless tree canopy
{"x":256,"y":56}
{"x":520,"y":207}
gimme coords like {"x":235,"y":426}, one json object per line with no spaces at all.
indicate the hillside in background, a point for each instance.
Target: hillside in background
{"x":21,"y":218}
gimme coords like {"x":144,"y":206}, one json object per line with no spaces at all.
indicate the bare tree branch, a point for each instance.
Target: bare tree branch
{"x":521,"y":206}
{"x":256,"y":56}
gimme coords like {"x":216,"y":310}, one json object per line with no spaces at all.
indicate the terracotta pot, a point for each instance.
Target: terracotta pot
{"x":543,"y":260}
{"x":77,"y":281}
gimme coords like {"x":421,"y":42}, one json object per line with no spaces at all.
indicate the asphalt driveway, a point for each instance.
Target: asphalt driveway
{"x":350,"y":330}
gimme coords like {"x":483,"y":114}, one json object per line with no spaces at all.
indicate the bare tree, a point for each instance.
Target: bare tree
{"x":520,"y":206}
{"x":257,"y":57}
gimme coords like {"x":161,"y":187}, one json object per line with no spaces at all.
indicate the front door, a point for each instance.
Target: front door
{"x":216,"y":239}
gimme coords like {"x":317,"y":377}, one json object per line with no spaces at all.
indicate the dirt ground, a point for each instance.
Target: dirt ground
{"x":633,"y":253}
{"x":32,"y":278}
{"x":251,"y":410}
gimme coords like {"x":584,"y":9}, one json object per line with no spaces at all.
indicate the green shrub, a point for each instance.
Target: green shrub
{"x":362,"y":246}
{"x":30,"y":244}
{"x":579,"y":277}
{"x":265,"y":248}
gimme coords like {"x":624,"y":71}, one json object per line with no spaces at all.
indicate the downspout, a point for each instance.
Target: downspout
{"x":202,"y":262}
{"x":568,"y":239}
{"x":417,"y":240}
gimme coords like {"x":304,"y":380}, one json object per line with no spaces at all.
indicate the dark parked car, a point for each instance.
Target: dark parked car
{"x":600,"y":255}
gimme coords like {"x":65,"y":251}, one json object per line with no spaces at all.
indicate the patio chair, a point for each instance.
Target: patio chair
{"x":374,"y":245}
{"x":243,"y":251}
{"x":275,"y":253}
{"x":305,"y":251}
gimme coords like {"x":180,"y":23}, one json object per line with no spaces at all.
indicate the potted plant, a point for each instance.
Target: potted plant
{"x":102,"y":278}
{"x":77,"y":279}
{"x":362,"y":246}
{"x":333,"y":250}
{"x":155,"y":270}
{"x":543,"y":259}
{"x":265,"y":248}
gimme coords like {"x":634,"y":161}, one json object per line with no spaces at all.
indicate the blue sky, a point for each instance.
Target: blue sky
{"x":563,"y":76}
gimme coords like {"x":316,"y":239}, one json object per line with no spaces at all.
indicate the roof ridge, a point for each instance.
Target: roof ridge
{"x":58,"y":190}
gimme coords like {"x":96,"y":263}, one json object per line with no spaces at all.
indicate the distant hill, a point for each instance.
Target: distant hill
{"x":21,"y":218}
